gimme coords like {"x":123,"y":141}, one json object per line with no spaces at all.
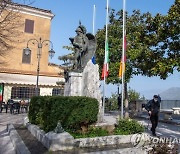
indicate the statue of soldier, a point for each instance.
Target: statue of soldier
{"x":84,"y":48}
{"x":80,"y":43}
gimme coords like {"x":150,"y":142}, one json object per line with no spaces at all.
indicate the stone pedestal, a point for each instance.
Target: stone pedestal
{"x":73,"y":87}
{"x":86,"y":83}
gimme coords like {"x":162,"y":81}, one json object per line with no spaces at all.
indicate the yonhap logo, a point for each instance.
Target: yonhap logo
{"x":139,"y":140}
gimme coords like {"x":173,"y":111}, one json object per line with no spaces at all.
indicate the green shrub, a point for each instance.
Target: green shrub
{"x":128,"y":126}
{"x":92,"y":132}
{"x":73,"y":112}
{"x":35,"y":108}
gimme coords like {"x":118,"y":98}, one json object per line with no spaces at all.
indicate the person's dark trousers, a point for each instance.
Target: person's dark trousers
{"x":11,"y":108}
{"x":6,"y":106}
{"x":154,"y":122}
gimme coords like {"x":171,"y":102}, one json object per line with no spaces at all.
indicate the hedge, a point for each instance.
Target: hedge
{"x":72,"y":112}
{"x":128,"y":126}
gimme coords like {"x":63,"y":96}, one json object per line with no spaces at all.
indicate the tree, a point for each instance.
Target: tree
{"x":137,"y":51}
{"x":10,"y":22}
{"x":153,"y":44}
{"x":8,"y":27}
{"x":170,"y":36}
{"x":133,"y":95}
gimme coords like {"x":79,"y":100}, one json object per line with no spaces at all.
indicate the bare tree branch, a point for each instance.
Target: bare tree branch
{"x":10,"y":25}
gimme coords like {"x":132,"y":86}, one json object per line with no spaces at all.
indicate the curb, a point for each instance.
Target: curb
{"x":52,"y":141}
{"x":16,"y":140}
{"x":61,"y":141}
{"x":160,"y":120}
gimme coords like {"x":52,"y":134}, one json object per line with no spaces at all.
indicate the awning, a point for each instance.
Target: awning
{"x":29,"y":79}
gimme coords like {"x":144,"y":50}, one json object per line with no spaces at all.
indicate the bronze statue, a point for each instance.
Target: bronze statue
{"x":80,"y":44}
{"x":84,"y":47}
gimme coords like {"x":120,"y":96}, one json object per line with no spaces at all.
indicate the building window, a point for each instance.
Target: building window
{"x":57,"y":91}
{"x":29,"y":26}
{"x":23,"y":92}
{"x":26,"y":57}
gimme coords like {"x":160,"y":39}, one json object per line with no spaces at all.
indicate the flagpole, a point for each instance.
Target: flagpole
{"x":94,"y":17}
{"x":123,"y":54}
{"x":106,"y":37}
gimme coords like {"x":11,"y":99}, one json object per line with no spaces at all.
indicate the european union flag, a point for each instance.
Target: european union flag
{"x":93,"y":60}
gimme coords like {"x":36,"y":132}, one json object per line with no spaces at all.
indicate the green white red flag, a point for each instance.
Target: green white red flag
{"x":1,"y":92}
{"x":105,"y":70}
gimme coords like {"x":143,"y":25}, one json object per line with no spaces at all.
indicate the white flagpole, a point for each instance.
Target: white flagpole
{"x":123,"y":54}
{"x":94,"y":18}
{"x":107,"y":18}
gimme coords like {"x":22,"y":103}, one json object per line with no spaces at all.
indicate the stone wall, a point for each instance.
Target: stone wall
{"x":103,"y":141}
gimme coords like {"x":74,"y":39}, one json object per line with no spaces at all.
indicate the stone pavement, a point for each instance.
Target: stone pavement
{"x":175,"y":118}
{"x":112,"y":116}
{"x":164,"y":128}
{"x":6,"y":146}
{"x":120,"y":151}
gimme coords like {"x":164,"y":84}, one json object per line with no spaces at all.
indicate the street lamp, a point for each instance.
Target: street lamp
{"x":40,"y":44}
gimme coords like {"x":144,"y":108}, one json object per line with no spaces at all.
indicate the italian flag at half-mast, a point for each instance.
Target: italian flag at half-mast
{"x":105,"y":70}
{"x":122,"y":67}
{"x":1,"y":89}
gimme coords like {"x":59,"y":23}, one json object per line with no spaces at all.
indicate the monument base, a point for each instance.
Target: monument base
{"x":86,"y":83}
{"x":73,"y":87}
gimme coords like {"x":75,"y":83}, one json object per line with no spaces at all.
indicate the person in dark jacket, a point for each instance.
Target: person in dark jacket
{"x":153,"y":107}
{"x":119,"y":102}
{"x":159,"y":98}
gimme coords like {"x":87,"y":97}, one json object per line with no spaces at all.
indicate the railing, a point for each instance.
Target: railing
{"x":169,"y":104}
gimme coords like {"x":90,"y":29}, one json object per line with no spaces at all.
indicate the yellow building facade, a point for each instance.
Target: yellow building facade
{"x":18,"y":69}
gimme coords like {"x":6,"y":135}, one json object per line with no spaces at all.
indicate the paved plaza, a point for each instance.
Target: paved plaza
{"x":6,"y":147}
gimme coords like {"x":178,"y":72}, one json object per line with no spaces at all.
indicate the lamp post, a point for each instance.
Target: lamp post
{"x":40,"y":44}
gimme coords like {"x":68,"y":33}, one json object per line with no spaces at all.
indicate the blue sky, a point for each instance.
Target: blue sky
{"x":67,"y":16}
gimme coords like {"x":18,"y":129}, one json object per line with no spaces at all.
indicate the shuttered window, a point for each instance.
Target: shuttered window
{"x":29,"y":26}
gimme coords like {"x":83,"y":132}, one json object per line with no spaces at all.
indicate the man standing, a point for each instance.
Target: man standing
{"x":119,"y":102}
{"x":153,"y":107}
